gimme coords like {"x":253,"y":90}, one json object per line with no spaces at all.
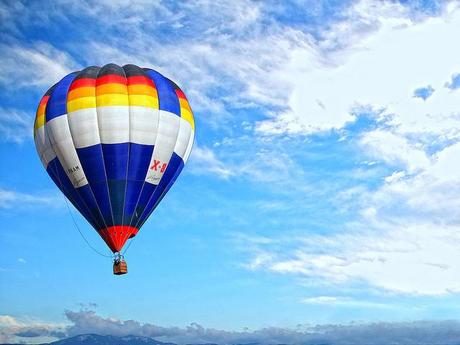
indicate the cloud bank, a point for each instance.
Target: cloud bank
{"x":383,"y":333}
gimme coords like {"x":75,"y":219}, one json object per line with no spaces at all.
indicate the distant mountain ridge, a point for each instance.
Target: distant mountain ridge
{"x":96,"y":339}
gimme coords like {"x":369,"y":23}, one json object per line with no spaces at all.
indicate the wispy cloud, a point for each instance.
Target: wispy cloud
{"x":407,"y":223}
{"x":37,"y":65}
{"x":11,"y":199}
{"x":27,"y":330}
{"x":241,"y":62}
{"x":405,"y":240}
{"x":340,"y":301}
{"x":204,"y":161}
{"x":395,"y":150}
{"x":354,"y":65}
{"x":15,"y":125}
{"x":235,"y":63}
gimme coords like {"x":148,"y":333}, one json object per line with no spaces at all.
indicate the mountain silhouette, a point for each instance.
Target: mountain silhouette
{"x":96,"y":339}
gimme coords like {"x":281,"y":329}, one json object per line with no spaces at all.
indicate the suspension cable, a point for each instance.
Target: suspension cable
{"x":81,"y":233}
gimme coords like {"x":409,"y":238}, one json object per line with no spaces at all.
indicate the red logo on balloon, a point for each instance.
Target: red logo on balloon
{"x":156,"y":166}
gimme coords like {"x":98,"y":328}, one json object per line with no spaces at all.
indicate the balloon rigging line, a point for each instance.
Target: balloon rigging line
{"x":127,"y":247}
{"x":74,"y":221}
{"x":71,"y":215}
{"x":81,"y":234}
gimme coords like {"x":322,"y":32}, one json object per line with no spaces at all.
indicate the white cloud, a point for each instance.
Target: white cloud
{"x":405,"y":240}
{"x":204,"y":161}
{"x":432,"y":194}
{"x":394,"y":150}
{"x":384,"y":59}
{"x":90,"y":327}
{"x":38,"y":65}
{"x":220,"y":71}
{"x":15,"y":125}
{"x":411,"y":260}
{"x":8,"y":321}
{"x":11,"y":199}
{"x":406,"y":235}
{"x":340,"y":301}
{"x":27,"y":330}
{"x":321,"y":300}
{"x":375,"y":56}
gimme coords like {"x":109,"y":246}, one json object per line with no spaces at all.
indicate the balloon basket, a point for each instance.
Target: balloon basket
{"x":120,"y":267}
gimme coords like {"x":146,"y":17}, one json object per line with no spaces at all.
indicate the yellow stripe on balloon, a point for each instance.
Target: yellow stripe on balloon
{"x":111,"y":88}
{"x":111,"y":100}
{"x":39,"y":121}
{"x":143,"y":101}
{"x":81,"y":103}
{"x":187,"y":116}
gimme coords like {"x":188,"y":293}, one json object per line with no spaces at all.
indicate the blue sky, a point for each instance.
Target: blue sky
{"x":323,"y":187}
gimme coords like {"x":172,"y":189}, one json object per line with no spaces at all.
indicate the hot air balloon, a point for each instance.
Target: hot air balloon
{"x":114,"y":140}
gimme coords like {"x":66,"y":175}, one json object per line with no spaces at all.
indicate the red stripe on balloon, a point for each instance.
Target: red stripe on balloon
{"x":110,"y":78}
{"x":140,"y":79}
{"x":44,"y":100}
{"x":83,"y":82}
{"x":180,"y":94}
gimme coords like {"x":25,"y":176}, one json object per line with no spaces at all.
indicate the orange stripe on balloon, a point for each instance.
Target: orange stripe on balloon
{"x":40,"y":115}
{"x":81,"y":92}
{"x":184,"y":104}
{"x":42,"y":106}
{"x":111,"y":88}
{"x":41,"y":109}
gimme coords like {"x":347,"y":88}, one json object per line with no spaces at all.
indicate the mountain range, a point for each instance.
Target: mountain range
{"x":96,"y":339}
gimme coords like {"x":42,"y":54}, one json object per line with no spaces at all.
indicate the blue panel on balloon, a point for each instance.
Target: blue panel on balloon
{"x":168,"y":187}
{"x":60,"y":178}
{"x":168,"y":176}
{"x":116,"y":160}
{"x":116,"y":168}
{"x":87,"y":196}
{"x":167,"y":96}
{"x":146,"y":194}
{"x":173,"y":180}
{"x":57,"y":104}
{"x":92,"y":161}
{"x":139,"y":161}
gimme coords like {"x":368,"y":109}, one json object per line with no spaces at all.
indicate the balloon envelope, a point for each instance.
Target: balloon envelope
{"x":114,"y":139}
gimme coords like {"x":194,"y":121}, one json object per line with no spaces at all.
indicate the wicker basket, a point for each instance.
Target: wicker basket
{"x":120,"y":267}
